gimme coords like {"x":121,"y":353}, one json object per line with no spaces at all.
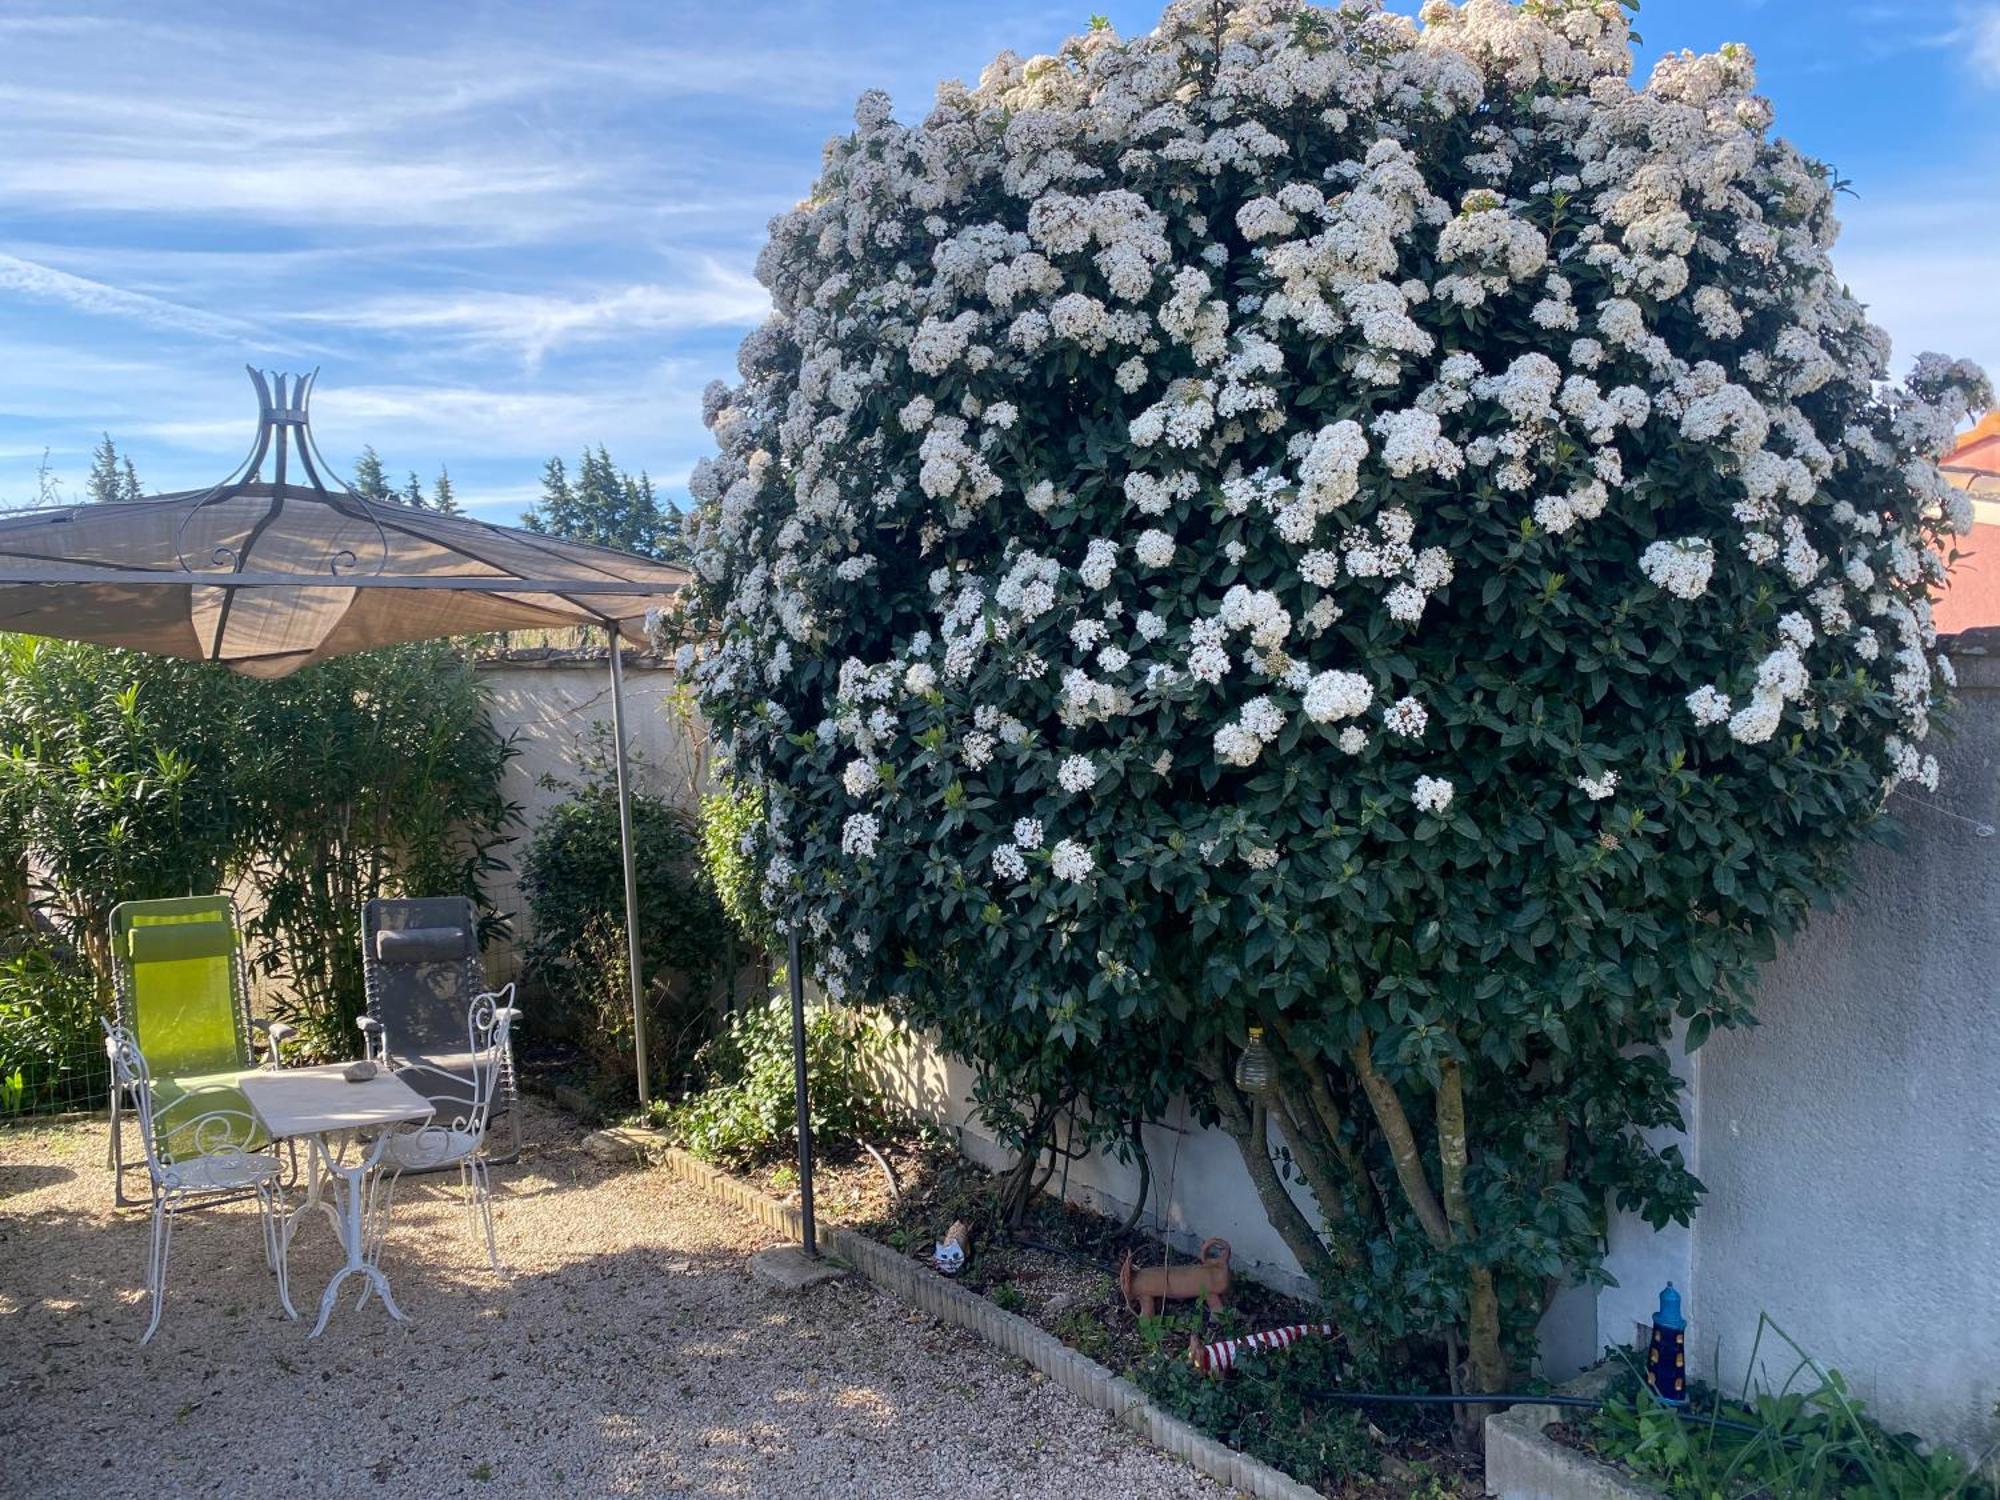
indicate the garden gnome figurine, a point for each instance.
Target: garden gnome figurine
{"x":1666,"y":1352}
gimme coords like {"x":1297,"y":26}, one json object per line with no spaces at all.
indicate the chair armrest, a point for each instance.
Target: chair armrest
{"x":276,"y":1034}
{"x":374,"y":1038}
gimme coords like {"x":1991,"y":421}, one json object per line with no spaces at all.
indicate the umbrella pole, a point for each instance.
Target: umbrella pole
{"x":795,"y":972}
{"x":631,"y":873}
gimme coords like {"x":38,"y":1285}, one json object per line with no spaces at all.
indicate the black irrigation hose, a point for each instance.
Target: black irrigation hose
{"x":1429,"y":1398}
{"x":1514,"y":1398}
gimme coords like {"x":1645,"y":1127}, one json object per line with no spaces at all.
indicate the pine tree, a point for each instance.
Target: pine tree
{"x":369,"y":481}
{"x":555,"y":513}
{"x":105,"y":484}
{"x":413,"y":492}
{"x":607,"y":506}
{"x":670,"y":535}
{"x":128,"y":483}
{"x":442,"y":498}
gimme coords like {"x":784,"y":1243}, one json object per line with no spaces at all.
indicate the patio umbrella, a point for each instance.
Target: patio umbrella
{"x":270,"y":575}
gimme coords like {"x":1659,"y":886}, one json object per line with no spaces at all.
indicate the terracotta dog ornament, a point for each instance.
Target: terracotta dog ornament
{"x":1145,"y":1289}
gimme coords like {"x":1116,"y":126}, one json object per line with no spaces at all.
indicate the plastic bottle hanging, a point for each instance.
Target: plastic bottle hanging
{"x":1254,"y":1069}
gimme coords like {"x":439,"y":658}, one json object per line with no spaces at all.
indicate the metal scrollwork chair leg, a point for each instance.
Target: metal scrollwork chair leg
{"x":156,"y":1264}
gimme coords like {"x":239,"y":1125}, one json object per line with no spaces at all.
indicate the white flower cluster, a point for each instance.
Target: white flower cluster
{"x":1241,"y":742}
{"x":1431,"y":794}
{"x":1133,"y":410}
{"x":1682,"y":568}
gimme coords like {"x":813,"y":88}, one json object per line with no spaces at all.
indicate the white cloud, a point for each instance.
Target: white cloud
{"x":27,"y":278}
{"x":533,"y":324}
{"x":334,"y":188}
{"x":1983,"y":50}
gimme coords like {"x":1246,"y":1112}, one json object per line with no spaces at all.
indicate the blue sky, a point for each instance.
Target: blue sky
{"x":507,"y":230}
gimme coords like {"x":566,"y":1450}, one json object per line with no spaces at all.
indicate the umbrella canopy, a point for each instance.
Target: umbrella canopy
{"x":270,"y":575}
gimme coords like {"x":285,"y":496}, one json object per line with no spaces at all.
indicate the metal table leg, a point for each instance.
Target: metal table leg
{"x":348,"y":1184}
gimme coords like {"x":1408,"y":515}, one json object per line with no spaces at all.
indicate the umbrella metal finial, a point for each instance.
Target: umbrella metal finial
{"x":281,"y":398}
{"x":243,"y":510}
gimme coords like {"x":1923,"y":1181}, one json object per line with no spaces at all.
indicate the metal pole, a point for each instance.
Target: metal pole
{"x":795,"y":970}
{"x":631,"y":872}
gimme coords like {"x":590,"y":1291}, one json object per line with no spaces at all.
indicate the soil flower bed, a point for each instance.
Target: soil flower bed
{"x":1058,"y":1269}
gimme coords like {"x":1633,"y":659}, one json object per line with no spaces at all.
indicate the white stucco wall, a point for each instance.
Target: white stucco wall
{"x":1851,"y":1141}
{"x":551,"y":705}
{"x":1199,"y":1186}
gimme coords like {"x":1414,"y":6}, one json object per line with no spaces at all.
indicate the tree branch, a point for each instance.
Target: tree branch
{"x":1332,"y":1120}
{"x":1246,"y":1124}
{"x":1482,"y":1310}
{"x":1310,"y":1151}
{"x":1388,"y":1110}
{"x":1452,"y":1148}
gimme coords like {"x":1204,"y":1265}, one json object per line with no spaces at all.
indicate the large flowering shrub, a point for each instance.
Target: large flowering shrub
{"x":1391,"y":533}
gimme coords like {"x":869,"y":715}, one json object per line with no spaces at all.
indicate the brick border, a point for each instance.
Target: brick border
{"x":913,"y":1284}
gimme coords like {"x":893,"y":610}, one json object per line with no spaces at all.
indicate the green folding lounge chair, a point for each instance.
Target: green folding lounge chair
{"x":183,"y":996}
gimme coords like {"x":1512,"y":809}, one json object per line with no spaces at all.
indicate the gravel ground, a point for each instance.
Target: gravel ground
{"x":629,"y":1354}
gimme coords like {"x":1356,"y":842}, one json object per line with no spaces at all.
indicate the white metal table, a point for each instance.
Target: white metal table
{"x":330,"y":1114}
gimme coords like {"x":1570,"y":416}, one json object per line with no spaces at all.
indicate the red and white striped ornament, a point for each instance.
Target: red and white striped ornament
{"x":1213,"y":1359}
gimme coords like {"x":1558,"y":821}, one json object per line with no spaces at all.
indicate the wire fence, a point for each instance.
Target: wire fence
{"x":75,"y":1078}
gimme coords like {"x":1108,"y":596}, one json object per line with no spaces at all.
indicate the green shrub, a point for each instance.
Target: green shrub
{"x":1266,"y":1406}
{"x":726,"y":817}
{"x":747,"y":1112}
{"x":115,"y":773}
{"x":371,"y":775}
{"x":51,"y":1050}
{"x":574,"y":875}
{"x":128,"y":777}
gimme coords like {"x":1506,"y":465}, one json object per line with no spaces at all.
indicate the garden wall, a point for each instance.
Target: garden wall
{"x":1850,"y":1143}
{"x":557,"y":703}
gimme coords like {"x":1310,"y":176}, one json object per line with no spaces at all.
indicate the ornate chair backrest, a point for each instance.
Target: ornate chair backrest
{"x":178,"y":1125}
{"x":489,"y":1021}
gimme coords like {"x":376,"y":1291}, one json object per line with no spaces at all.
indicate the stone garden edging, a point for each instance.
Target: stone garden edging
{"x":1524,"y":1463}
{"x":915,"y":1285}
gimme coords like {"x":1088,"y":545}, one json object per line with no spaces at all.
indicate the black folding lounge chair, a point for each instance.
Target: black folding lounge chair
{"x":420,"y":963}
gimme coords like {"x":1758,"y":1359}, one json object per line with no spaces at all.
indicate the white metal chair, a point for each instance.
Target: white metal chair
{"x":194,"y":1157}
{"x":460,"y":1141}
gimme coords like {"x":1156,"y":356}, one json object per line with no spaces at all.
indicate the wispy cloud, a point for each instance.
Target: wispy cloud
{"x":330,"y":188}
{"x":533,"y":324}
{"x":27,"y":278}
{"x":1983,"y":45}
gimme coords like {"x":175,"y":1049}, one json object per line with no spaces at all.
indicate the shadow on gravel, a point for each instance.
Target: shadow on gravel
{"x":633,"y":1369}
{"x":15,"y":1180}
